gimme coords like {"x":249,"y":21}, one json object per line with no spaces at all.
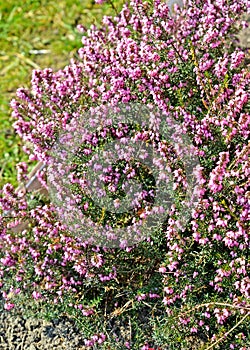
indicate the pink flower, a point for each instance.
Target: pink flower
{"x":141,"y":297}
{"x":87,"y":312}
{"x":207,"y":314}
{"x":9,"y":306}
{"x":97,"y":260}
{"x":168,"y":290}
{"x":162,"y":269}
{"x":184,"y":321}
{"x":193,"y":330}
{"x":36,"y":295}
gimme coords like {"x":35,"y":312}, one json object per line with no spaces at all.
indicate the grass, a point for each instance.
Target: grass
{"x":35,"y":34}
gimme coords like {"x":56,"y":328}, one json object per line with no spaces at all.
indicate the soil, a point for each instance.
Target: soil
{"x":19,"y":333}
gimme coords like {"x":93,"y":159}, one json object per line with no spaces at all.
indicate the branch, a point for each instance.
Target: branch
{"x":227,"y":333}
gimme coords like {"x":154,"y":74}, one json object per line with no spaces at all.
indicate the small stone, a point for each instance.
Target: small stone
{"x":32,"y":347}
{"x":31,"y":324}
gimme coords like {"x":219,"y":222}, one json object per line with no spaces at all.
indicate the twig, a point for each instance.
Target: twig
{"x":113,"y":7}
{"x":227,"y":333}
{"x":130,"y":330}
{"x":242,"y":153}
{"x":215,"y":304}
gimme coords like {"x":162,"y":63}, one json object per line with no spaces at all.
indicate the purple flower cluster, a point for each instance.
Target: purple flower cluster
{"x":187,"y":67}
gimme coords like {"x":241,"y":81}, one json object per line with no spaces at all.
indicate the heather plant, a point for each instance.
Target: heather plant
{"x":184,"y":286}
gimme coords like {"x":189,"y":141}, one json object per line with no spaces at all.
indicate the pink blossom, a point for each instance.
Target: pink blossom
{"x":162,"y":269}
{"x":9,"y":306}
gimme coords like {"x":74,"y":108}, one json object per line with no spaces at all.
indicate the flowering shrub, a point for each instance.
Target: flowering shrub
{"x":183,"y":285}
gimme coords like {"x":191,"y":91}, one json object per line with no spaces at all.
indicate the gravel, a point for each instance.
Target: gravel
{"x":19,"y":333}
